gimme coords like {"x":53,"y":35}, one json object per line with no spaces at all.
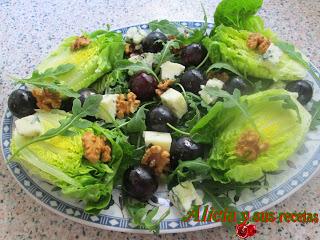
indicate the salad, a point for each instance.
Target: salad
{"x":200,"y":111}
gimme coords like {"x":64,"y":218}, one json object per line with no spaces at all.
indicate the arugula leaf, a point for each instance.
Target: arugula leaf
{"x":230,"y":101}
{"x":288,"y":103}
{"x":40,"y":80}
{"x":124,"y":65}
{"x":164,"y":26}
{"x":89,"y":108}
{"x":53,"y":86}
{"x":295,"y":55}
{"x":224,"y":66}
{"x":219,"y":188}
{"x":196,"y":35}
{"x":137,"y":123}
{"x":220,"y":204}
{"x":61,"y":69}
{"x":315,"y":112}
{"x":143,"y":217}
{"x":193,"y":102}
{"x":165,"y":54}
{"x":193,"y":170}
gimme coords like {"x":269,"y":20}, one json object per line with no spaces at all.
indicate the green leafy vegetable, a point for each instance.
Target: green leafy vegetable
{"x":41,"y":80}
{"x":229,"y":45}
{"x":277,"y":124}
{"x":142,"y":217}
{"x":57,"y":156}
{"x":295,"y":55}
{"x":164,"y":26}
{"x":165,"y":54}
{"x":288,"y":103}
{"x":224,"y":66}
{"x":230,"y":101}
{"x":315,"y":112}
{"x":220,"y":204}
{"x":114,"y":82}
{"x":89,"y":63}
{"x":194,"y":114}
{"x":192,"y":170}
{"x":126,"y":65}
{"x":234,"y":13}
{"x":137,"y":123}
{"x":195,"y":35}
{"x":89,"y":108}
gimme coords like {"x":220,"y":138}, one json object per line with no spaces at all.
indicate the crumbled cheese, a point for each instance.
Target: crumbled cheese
{"x":147,"y":58}
{"x":135,"y":58}
{"x":184,"y":195}
{"x":210,"y":83}
{"x":135,"y":35}
{"x":29,"y":126}
{"x":273,"y":54}
{"x":170,"y":70}
{"x":107,"y":108}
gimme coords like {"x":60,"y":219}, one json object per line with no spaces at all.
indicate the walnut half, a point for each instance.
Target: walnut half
{"x":46,"y":100}
{"x":157,"y":158}
{"x":259,"y":42}
{"x":163,"y":86}
{"x":95,"y":148}
{"x":126,"y":104}
{"x":79,"y":43}
{"x":249,"y":146}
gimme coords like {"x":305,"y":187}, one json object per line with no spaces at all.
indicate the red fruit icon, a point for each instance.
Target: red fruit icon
{"x":245,"y":230}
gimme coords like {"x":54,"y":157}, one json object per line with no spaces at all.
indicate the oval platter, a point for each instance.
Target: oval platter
{"x":296,"y":172}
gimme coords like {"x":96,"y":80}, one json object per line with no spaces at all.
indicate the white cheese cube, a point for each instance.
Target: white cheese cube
{"x":170,"y":70}
{"x":29,"y":126}
{"x":158,"y":138}
{"x":184,"y":195}
{"x":210,"y":83}
{"x":108,"y":108}
{"x":175,"y":101}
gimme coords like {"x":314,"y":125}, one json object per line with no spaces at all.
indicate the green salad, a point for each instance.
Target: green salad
{"x":201,"y":111}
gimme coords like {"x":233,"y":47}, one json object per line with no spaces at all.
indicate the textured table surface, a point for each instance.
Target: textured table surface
{"x":30,"y":29}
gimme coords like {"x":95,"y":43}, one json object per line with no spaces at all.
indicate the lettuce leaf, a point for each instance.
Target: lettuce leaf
{"x":90,"y":62}
{"x":277,"y":124}
{"x":235,"y":13}
{"x":229,"y":45}
{"x":59,"y":161}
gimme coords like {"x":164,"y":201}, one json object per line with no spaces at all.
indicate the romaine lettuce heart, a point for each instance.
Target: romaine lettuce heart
{"x":230,"y":46}
{"x":59,"y":161}
{"x":243,"y":150}
{"x":91,"y":62}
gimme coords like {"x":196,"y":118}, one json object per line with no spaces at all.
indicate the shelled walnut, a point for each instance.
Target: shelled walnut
{"x":157,"y":158}
{"x":95,"y":148}
{"x":249,"y":146}
{"x":259,"y":42}
{"x":79,"y":43}
{"x":126,"y":104}
{"x":46,"y":100}
{"x":164,"y":86}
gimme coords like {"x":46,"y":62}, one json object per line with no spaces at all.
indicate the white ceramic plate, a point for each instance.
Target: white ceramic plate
{"x":303,"y":165}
